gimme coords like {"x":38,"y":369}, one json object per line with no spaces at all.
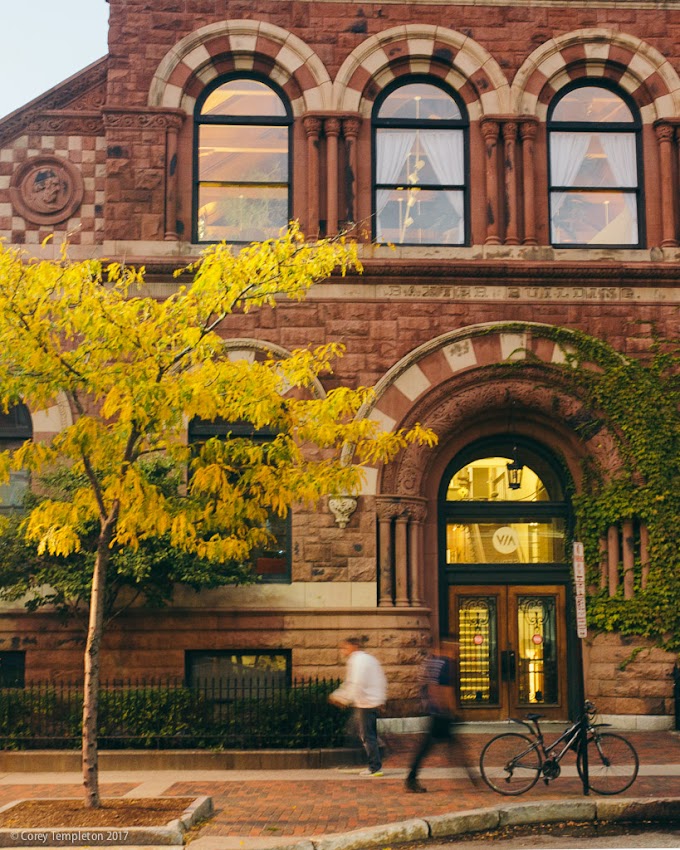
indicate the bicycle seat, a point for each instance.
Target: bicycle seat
{"x":534,"y":716}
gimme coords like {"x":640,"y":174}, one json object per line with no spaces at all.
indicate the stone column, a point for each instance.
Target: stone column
{"x":332,"y":127}
{"x":510,"y":176}
{"x":644,"y":555}
{"x":613,"y":558}
{"x":664,"y":135}
{"x":527,"y":131}
{"x":417,"y":513}
{"x":351,"y":132}
{"x":312,"y":127}
{"x":401,"y":560}
{"x":490,"y":131}
{"x":628,"y":560}
{"x":604,"y":567}
{"x":385,"y":511}
{"x":174,"y":124}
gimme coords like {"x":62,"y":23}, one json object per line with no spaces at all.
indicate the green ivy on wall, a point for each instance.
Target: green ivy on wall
{"x":638,"y":400}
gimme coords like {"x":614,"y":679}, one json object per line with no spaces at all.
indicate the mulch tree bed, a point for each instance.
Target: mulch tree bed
{"x":119,"y":812}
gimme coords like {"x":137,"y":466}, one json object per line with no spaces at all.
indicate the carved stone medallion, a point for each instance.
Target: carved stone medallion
{"x":46,"y":189}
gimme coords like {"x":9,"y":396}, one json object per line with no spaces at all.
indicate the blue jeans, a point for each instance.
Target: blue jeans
{"x":367,"y":719}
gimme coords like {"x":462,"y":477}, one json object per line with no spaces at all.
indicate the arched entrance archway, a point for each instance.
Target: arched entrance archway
{"x":504,"y":578}
{"x":469,"y":386}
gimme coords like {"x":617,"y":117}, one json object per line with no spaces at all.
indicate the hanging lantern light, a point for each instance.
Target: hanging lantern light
{"x":515,"y":469}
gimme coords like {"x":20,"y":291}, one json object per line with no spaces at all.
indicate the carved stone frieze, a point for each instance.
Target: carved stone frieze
{"x":143,"y":119}
{"x":90,"y":101}
{"x":67,"y":124}
{"x":46,"y":189}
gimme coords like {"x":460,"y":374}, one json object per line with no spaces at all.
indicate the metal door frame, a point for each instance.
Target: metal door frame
{"x":507,"y":649}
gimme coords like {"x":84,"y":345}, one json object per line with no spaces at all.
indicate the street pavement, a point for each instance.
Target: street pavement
{"x":259,"y":809}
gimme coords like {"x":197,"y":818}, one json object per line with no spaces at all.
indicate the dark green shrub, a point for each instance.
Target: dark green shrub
{"x":174,"y":716}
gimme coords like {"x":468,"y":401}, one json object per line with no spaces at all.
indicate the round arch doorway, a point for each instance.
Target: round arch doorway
{"x":505,"y":580}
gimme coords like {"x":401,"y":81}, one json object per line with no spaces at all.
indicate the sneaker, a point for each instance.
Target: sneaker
{"x":369,"y":772}
{"x":415,"y":787}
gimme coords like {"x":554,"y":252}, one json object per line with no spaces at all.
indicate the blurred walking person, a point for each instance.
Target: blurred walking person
{"x":437,"y":677}
{"x":365,"y":689}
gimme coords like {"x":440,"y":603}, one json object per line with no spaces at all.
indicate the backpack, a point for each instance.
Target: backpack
{"x":440,"y":670}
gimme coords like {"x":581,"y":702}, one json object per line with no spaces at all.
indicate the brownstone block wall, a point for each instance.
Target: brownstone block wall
{"x":621,"y":678}
{"x":151,"y":644}
{"x":141,"y":35}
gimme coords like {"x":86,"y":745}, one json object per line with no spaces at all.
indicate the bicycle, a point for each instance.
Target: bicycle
{"x":512,"y":763}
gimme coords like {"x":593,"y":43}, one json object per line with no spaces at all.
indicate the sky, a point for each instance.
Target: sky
{"x":43,"y":42}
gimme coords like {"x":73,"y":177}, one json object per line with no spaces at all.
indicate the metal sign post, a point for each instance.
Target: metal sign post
{"x":581,"y":632}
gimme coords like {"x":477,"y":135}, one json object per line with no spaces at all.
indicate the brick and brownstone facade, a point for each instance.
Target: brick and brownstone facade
{"x":419,"y":324}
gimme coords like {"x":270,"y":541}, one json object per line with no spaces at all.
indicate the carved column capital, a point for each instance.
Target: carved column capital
{"x":528,"y":130}
{"x":388,"y":508}
{"x":332,"y":126}
{"x":351,"y":127}
{"x":490,"y":129}
{"x":417,"y":513}
{"x":665,"y":132}
{"x":509,"y":131}
{"x":312,"y":126}
{"x":413,"y":508}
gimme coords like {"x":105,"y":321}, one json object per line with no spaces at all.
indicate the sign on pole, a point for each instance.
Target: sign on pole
{"x":580,"y":588}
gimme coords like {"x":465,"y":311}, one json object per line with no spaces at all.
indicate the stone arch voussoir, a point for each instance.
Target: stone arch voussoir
{"x":447,"y":383}
{"x":421,"y":48}
{"x":247,"y":348}
{"x":640,"y":69}
{"x":241,"y":45}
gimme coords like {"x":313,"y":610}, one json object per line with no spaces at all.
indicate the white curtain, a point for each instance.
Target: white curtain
{"x":620,"y":150}
{"x":567,"y":152}
{"x":392,"y":150}
{"x":445,"y":150}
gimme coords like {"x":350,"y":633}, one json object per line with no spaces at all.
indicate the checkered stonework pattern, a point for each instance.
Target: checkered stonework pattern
{"x":88,"y":154}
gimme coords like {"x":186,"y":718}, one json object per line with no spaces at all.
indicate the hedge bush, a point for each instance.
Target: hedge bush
{"x":173,"y":716}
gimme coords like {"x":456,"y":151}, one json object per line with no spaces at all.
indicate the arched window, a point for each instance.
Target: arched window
{"x":503,"y":518}
{"x":272,"y":564}
{"x":595,"y":168}
{"x":242,"y":161}
{"x":420,"y":165}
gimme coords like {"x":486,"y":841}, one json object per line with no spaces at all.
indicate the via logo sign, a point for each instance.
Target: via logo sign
{"x":505,"y":540}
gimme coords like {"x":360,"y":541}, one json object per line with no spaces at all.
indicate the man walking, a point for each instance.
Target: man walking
{"x":436,"y":685}
{"x":364,"y":688}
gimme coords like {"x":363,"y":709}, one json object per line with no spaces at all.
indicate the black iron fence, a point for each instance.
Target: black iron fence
{"x":215,"y":714}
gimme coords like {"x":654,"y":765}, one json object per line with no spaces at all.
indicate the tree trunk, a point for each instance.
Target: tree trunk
{"x":90,"y":756}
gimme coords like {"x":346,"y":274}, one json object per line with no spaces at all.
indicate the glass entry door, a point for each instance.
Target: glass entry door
{"x":512,"y":651}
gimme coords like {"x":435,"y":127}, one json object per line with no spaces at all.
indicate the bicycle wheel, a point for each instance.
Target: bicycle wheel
{"x":510,"y":763}
{"x":612,"y":763}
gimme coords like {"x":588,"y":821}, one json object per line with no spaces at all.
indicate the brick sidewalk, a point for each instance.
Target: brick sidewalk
{"x":270,"y":805}
{"x":304,"y":808}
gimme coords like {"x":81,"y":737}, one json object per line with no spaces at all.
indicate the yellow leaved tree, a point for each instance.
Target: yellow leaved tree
{"x":135,"y":369}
